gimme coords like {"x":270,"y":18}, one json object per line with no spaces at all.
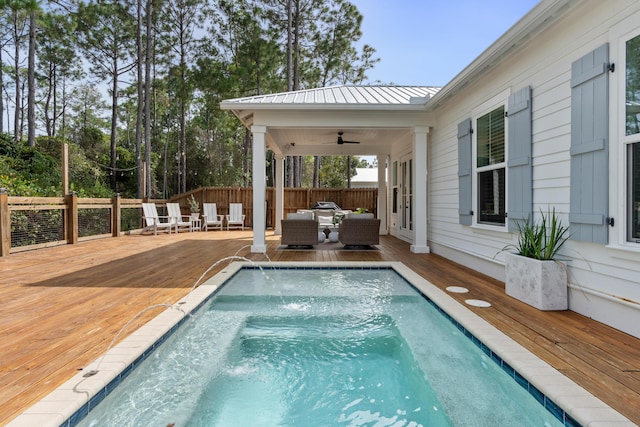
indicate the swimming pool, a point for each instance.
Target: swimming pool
{"x":356,"y":341}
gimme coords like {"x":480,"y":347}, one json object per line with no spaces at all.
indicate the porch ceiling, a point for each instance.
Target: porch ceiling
{"x":324,"y":141}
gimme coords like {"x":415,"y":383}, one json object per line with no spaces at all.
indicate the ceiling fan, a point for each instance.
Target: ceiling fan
{"x":342,"y":141}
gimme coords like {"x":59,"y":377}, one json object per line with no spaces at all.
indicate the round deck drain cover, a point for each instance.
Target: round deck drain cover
{"x":477,"y":303}
{"x":457,"y":289}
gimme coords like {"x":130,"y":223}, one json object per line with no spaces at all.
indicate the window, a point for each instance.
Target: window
{"x":634,"y":193}
{"x":632,"y":136}
{"x":491,"y":167}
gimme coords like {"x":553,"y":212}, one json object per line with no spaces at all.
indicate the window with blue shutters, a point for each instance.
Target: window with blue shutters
{"x":494,"y":162}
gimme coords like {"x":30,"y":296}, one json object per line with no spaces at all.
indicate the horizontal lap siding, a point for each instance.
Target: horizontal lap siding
{"x":545,"y":65}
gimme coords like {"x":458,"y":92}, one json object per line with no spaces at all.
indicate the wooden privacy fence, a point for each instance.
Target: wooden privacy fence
{"x":35,"y":222}
{"x":294,"y":199}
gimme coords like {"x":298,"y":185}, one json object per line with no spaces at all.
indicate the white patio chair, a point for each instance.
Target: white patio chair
{"x":153,"y":221}
{"x":210,"y":217}
{"x":177,"y":219}
{"x":235,"y":217}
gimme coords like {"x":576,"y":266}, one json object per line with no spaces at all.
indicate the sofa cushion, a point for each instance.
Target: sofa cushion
{"x":361,"y":216}
{"x":300,"y":215}
{"x":325,"y":220}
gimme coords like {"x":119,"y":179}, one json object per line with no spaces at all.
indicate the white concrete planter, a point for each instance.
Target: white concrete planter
{"x":541,"y":284}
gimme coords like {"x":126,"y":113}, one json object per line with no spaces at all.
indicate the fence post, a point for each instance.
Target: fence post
{"x":5,"y":223}
{"x":72,"y":218}
{"x":116,"y":215}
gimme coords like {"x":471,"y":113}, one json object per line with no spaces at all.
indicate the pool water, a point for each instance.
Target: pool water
{"x":319,"y":347}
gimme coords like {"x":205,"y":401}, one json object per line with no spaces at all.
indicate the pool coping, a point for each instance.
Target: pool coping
{"x":75,"y":395}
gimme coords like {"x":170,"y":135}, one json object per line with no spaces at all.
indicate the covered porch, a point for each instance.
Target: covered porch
{"x":387,"y":122}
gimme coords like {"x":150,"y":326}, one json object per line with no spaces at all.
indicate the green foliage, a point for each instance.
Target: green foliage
{"x":8,"y":145}
{"x":37,"y":171}
{"x":541,"y":240}
{"x":203,"y":52}
{"x":333,"y":170}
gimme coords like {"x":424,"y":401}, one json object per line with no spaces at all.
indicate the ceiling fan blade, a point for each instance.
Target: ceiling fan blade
{"x":342,"y":141}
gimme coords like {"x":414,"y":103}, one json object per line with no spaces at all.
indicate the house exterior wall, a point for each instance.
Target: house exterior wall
{"x":604,"y":278}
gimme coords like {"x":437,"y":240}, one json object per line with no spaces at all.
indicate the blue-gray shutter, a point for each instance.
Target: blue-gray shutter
{"x":520,"y":175}
{"x":589,"y":147}
{"x":465,"y":210}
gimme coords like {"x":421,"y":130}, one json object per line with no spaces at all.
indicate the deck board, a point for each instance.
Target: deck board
{"x":62,"y":306}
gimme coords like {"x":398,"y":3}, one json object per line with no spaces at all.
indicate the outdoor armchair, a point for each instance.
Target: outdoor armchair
{"x":153,"y":221}
{"x":235,"y":217}
{"x":360,"y":230}
{"x":210,"y":216}
{"x":178,"y":220}
{"x":299,"y":230}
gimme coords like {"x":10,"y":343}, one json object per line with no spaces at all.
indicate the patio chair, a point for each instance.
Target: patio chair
{"x":235,"y":217}
{"x":178,"y":220}
{"x":153,"y":221}
{"x":210,"y":216}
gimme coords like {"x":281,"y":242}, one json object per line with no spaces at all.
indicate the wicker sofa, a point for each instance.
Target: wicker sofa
{"x":360,"y":230}
{"x":299,"y":230}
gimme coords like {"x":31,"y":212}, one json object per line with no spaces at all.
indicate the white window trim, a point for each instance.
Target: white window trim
{"x":618,"y":140}
{"x":500,"y":100}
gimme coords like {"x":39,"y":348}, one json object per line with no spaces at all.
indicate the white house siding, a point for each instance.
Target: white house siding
{"x":604,"y":282}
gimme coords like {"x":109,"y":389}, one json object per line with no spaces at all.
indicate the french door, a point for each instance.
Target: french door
{"x":406,"y":196}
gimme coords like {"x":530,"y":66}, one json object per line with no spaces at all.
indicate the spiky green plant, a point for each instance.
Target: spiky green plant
{"x":541,"y":240}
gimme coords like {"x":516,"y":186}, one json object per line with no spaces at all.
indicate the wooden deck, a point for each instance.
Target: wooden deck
{"x":62,"y":306}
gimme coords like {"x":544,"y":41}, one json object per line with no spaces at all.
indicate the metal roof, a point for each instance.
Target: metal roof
{"x":338,"y":96}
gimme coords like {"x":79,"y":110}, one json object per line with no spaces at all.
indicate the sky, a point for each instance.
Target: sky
{"x":428,"y":42}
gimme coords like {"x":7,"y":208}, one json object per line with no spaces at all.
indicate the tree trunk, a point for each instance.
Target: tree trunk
{"x":31,"y":82}
{"x":183,"y":145}
{"x":114,"y":127}
{"x":316,"y":171}
{"x":296,"y":47}
{"x":49,"y":116}
{"x":289,"y":48}
{"x":147,"y":98}
{"x":289,"y":169}
{"x":16,"y":59}
{"x":1,"y":98}
{"x":140,"y":103}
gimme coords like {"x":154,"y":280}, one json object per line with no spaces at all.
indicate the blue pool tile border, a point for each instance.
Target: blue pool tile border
{"x":544,"y":400}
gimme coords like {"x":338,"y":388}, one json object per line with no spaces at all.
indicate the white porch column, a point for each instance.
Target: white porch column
{"x":382,"y":194}
{"x":259,"y":189}
{"x":279,"y":193}
{"x":420,"y":190}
